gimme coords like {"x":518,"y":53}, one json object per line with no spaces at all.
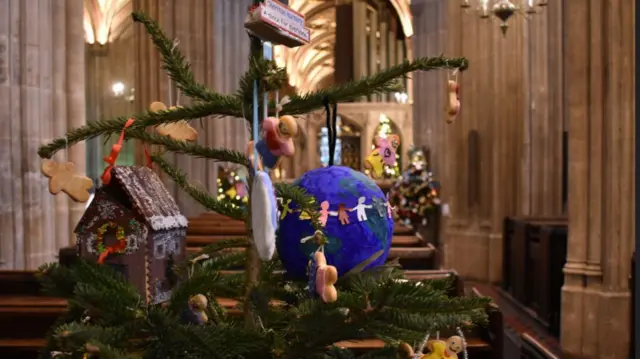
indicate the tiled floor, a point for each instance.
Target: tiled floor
{"x":516,"y":323}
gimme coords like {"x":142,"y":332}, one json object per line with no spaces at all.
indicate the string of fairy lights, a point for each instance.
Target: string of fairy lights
{"x":232,"y":187}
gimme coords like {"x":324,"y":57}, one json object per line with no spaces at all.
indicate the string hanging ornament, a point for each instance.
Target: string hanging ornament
{"x":331,"y":111}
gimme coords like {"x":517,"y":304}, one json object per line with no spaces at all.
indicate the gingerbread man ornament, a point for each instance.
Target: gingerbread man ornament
{"x":63,"y":178}
{"x":180,"y":130}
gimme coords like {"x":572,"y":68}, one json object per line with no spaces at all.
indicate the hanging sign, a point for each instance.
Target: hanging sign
{"x":276,"y":22}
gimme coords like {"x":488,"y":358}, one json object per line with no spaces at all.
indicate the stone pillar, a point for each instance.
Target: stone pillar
{"x":41,"y":97}
{"x":231,"y":61}
{"x":428,"y":105}
{"x":599,"y":67}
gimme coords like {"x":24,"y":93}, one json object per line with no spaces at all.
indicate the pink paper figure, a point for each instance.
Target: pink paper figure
{"x":324,"y":212}
{"x":390,"y":210}
{"x":361,"y":209}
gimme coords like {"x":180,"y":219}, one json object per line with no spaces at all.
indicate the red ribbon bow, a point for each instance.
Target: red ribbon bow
{"x":115,"y":152}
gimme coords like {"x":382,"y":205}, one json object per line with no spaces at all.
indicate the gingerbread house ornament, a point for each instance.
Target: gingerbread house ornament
{"x":134,"y":225}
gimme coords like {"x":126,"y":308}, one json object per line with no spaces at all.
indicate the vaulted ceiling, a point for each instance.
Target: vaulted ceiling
{"x":105,"y":20}
{"x":311,"y":66}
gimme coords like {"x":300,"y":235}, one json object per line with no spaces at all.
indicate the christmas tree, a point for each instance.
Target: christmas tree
{"x":232,"y":187}
{"x":415,"y":193}
{"x":281,"y":317}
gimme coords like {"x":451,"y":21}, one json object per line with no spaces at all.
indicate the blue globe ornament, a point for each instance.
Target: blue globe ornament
{"x":360,"y":243}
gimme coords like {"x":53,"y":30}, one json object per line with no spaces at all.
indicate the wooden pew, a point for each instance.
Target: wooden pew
{"x":209,"y":227}
{"x":27,"y":316}
{"x":632,"y":289}
{"x":533,"y":349}
{"x":534,"y":256}
{"x":494,"y":332}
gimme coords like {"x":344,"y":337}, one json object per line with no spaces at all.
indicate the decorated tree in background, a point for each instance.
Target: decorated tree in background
{"x":282,"y":317}
{"x":232,"y":186}
{"x":415,"y":194}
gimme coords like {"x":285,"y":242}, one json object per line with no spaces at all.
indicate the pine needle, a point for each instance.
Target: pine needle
{"x":202,"y":197}
{"x":381,"y":82}
{"x":142,"y":121}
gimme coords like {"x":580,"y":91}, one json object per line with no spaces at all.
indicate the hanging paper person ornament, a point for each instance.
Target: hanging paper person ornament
{"x":453,"y":100}
{"x":384,"y":154}
{"x":277,"y":141}
{"x":322,"y":278}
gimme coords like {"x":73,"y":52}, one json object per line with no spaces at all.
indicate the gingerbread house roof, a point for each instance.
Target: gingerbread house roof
{"x":149,"y":197}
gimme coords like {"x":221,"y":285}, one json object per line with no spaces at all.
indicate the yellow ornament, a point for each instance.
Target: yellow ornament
{"x":231,"y":192}
{"x":438,"y":349}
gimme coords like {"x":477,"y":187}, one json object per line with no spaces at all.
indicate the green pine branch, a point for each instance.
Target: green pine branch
{"x":192,"y":149}
{"x":142,"y":121}
{"x":208,"y":251}
{"x":91,"y":338}
{"x":207,"y":200}
{"x":304,"y":201}
{"x":270,"y":78}
{"x":381,"y":82}
{"x":178,"y":67}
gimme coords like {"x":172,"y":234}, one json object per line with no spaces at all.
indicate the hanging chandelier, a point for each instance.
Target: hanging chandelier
{"x":503,"y":10}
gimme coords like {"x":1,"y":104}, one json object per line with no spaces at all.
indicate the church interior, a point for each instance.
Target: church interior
{"x":527,"y":194}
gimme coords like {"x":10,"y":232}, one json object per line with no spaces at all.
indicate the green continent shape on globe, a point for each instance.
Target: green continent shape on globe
{"x":366,"y":181}
{"x":348,"y":185}
{"x":377,"y":225}
{"x":333,"y":246}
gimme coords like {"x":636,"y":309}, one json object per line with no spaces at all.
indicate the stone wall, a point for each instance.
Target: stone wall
{"x":41,"y":97}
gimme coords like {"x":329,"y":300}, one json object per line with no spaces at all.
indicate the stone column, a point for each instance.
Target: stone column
{"x":39,"y":99}
{"x":428,"y":104}
{"x":231,"y":60}
{"x":76,"y":96}
{"x":599,"y":66}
